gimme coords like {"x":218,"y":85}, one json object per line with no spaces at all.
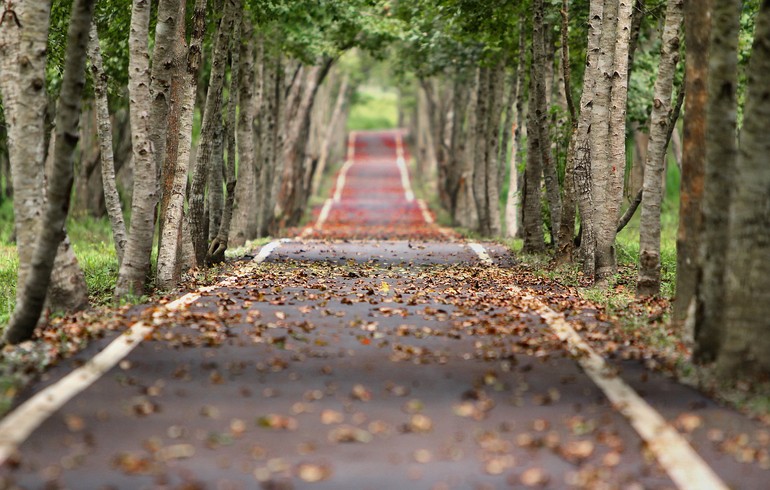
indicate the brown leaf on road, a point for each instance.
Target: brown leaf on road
{"x":534,"y":477}
{"x":313,"y":473}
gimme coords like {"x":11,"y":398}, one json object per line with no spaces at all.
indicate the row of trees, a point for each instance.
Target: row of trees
{"x":265,"y":79}
{"x":567,"y":74}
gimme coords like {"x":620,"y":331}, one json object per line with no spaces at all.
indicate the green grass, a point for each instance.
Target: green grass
{"x":92,"y":242}
{"x":373,"y":108}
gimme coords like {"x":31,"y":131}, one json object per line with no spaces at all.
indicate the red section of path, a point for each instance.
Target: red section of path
{"x":372,"y":195}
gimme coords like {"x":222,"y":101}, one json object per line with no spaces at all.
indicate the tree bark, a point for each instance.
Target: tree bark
{"x":540,"y":65}
{"x":212,"y":118}
{"x":244,"y":225}
{"x":513,"y":199}
{"x":32,"y":299}
{"x":533,"y":223}
{"x":271,"y":121}
{"x":104,"y":127}
{"x":290,"y":198}
{"x":216,"y":170}
{"x":164,"y":68}
{"x":745,"y":352}
{"x":24,"y":104}
{"x":479,"y":151}
{"x":581,"y":155}
{"x":218,"y":247}
{"x":608,"y":129}
{"x":178,"y":154}
{"x":697,"y":29}
{"x":648,"y":282}
{"x":343,"y":95}
{"x":136,"y":258}
{"x":721,"y":154}
{"x":565,"y":240}
{"x":493,"y":162}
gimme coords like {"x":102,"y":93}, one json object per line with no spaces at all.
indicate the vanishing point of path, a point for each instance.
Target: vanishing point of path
{"x":409,"y":360}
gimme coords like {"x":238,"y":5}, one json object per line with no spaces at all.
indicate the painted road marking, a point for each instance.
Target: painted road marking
{"x":408,"y":193}
{"x":682,"y":463}
{"x":344,"y":170}
{"x":17,"y":426}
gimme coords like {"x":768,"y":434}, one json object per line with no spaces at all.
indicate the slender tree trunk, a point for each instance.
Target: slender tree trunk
{"x":290,"y":196}
{"x":565,"y":241}
{"x":540,"y":64}
{"x":164,"y":69}
{"x":456,"y":183}
{"x":212,"y":118}
{"x":697,"y":28}
{"x":136,"y":259}
{"x":32,"y":299}
{"x":216,"y":171}
{"x":581,"y":155}
{"x":513,"y":199}
{"x":745,"y":350}
{"x":608,"y":141}
{"x":244,"y":226}
{"x":218,"y":247}
{"x":270,"y":145}
{"x":479,"y":151}
{"x":492,"y":184}
{"x":721,"y":154}
{"x":648,"y":283}
{"x":104,"y":125}
{"x":178,"y":154}
{"x":533,"y":223}
{"x":343,"y":94}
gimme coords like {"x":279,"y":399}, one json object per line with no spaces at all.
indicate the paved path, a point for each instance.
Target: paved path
{"x":334,"y":363}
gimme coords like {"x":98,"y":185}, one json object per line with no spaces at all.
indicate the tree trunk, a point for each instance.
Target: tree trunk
{"x":178,"y":153}
{"x":480,"y":149}
{"x":492,"y":184}
{"x":136,"y":258}
{"x":212,"y":119}
{"x":533,"y":223}
{"x":540,"y":66}
{"x":582,"y":148}
{"x":164,"y":69}
{"x":216,"y":171}
{"x":24,"y":104}
{"x":104,"y":127}
{"x":721,"y":153}
{"x":271,"y":120}
{"x":608,"y":130}
{"x":648,"y":283}
{"x":244,"y":226}
{"x":697,"y":29}
{"x":343,"y":95}
{"x":566,"y":239}
{"x":218,"y":247}
{"x":32,"y":298}
{"x":290,"y":197}
{"x":513,"y":199}
{"x":746,"y":348}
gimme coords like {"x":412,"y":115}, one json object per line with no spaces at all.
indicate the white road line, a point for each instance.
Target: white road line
{"x":344,"y":170}
{"x":17,"y":426}
{"x":682,"y":463}
{"x":425,"y":212}
{"x":408,"y":193}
